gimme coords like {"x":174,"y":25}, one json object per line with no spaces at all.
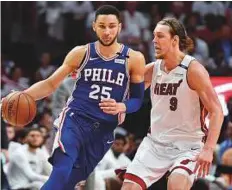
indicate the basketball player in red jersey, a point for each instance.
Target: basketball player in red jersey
{"x":182,"y":96}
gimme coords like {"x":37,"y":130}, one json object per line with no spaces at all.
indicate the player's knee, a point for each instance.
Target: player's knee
{"x":174,"y":182}
{"x":130,"y":186}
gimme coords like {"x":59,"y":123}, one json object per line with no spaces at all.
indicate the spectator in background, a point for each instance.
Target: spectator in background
{"x":47,"y":142}
{"x":16,"y":81}
{"x":134,"y":26}
{"x":53,"y":21}
{"x":208,"y":7}
{"x":216,"y":62}
{"x":46,"y":68}
{"x":4,"y":155}
{"x":227,"y":161}
{"x":75,"y":14}
{"x":6,"y":64}
{"x":131,"y":146}
{"x":208,"y":32}
{"x":192,"y":21}
{"x":15,"y":144}
{"x":201,"y":49}
{"x":154,"y":18}
{"x":177,"y":9}
{"x":114,"y":158}
{"x":28,"y":167}
{"x":224,"y":181}
{"x":17,"y":141}
{"x":10,"y":131}
{"x":224,"y":43}
{"x":46,"y":121}
{"x":227,"y":143}
{"x":61,"y":95}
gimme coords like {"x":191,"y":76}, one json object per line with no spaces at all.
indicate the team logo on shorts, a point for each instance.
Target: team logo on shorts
{"x":185,"y":162}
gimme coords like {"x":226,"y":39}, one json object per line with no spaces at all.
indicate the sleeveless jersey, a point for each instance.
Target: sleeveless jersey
{"x":100,"y":78}
{"x":177,"y":115}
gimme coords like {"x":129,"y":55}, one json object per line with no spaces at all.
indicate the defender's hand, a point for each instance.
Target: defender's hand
{"x":204,"y":161}
{"x":110,"y":106}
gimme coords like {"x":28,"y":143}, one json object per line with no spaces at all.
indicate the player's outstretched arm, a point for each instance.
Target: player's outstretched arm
{"x":45,"y":87}
{"x":198,"y":79}
{"x":148,"y":75}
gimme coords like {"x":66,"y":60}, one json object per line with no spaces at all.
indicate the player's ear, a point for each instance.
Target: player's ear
{"x":119,"y":27}
{"x":175,"y":39}
{"x":94,"y":26}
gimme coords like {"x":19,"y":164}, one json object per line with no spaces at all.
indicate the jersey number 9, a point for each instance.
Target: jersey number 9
{"x":173,"y":103}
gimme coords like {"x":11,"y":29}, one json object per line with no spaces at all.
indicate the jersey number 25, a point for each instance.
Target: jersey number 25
{"x":102,"y":92}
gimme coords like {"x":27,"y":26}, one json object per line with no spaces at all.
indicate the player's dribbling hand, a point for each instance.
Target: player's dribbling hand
{"x":110,"y":106}
{"x":204,"y":161}
{"x":2,"y":99}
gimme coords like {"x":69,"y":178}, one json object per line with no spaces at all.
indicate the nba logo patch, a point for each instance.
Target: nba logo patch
{"x":120,"y":61}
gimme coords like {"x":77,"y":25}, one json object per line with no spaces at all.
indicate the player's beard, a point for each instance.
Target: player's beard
{"x":109,"y":44}
{"x":159,"y":56}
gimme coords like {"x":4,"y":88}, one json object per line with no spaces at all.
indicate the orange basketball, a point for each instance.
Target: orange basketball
{"x":18,"y":109}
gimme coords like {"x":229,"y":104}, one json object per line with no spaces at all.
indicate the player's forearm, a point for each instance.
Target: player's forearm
{"x":216,"y":119}
{"x":40,"y":90}
{"x":136,"y":97}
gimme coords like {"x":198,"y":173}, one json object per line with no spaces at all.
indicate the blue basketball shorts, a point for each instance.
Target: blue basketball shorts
{"x":84,"y":139}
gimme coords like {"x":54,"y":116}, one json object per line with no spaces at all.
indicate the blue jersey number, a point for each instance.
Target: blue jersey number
{"x":100,"y":91}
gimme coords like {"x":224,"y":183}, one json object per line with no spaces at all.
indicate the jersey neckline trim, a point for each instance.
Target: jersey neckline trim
{"x":179,"y":65}
{"x":104,"y":58}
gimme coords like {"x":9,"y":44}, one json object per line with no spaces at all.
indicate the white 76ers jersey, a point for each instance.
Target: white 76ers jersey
{"x":177,"y":114}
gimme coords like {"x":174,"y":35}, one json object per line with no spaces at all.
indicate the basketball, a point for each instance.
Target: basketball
{"x":18,"y":109}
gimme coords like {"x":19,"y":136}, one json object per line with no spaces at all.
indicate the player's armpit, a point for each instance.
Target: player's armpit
{"x":148,"y":74}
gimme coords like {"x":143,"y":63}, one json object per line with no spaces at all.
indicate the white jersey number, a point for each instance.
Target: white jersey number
{"x":103,"y":92}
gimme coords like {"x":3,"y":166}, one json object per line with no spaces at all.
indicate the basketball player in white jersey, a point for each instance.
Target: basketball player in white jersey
{"x":182,"y":95}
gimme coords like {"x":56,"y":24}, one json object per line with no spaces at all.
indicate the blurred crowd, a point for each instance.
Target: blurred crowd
{"x":35,"y":38}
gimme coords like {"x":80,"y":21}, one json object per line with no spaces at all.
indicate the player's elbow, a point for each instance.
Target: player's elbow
{"x":217,"y":112}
